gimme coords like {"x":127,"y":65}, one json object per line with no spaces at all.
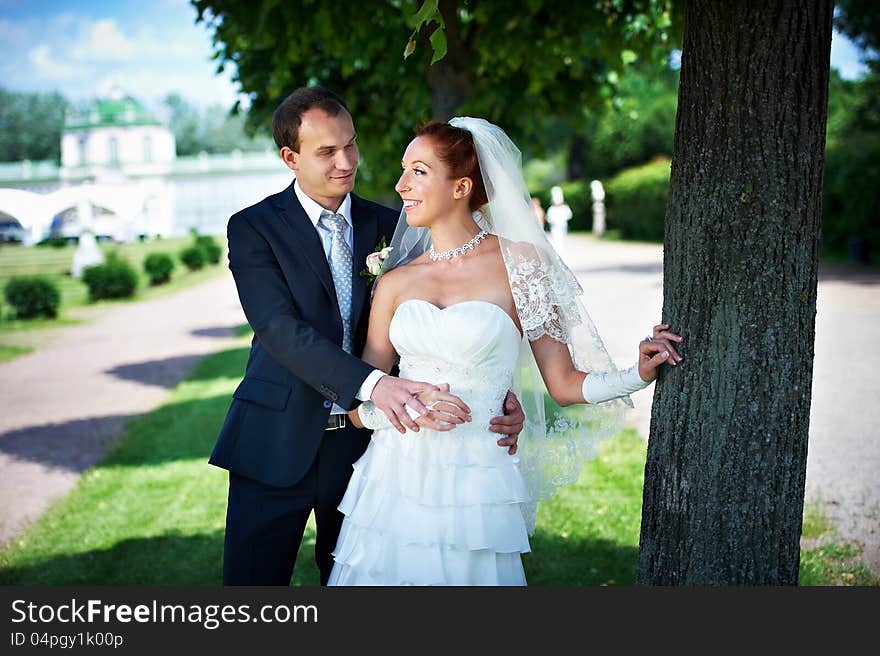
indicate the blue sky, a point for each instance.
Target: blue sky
{"x":148,"y":48}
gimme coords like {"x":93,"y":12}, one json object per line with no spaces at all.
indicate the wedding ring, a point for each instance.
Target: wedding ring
{"x":648,"y":338}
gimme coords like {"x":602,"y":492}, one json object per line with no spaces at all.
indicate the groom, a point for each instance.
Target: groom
{"x":296,"y":258}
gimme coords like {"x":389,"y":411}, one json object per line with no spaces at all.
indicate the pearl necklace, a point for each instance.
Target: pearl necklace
{"x":461,"y":250}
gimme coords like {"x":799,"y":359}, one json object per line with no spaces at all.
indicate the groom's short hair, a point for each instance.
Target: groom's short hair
{"x":288,"y":116}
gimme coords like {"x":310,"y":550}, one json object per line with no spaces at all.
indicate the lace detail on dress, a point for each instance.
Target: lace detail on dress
{"x":483,"y":388}
{"x":543,"y":308}
{"x":473,"y":376}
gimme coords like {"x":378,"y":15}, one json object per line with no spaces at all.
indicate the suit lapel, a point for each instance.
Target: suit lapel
{"x":366,"y":232}
{"x":307,"y":237}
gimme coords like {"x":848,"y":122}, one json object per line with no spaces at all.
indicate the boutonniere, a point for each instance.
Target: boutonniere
{"x":376,"y":259}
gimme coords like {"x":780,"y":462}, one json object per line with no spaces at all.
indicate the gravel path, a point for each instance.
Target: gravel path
{"x":623,"y":291}
{"x":65,"y":403}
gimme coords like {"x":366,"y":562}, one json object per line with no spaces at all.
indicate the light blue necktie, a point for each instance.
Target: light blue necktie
{"x":340,"y":267}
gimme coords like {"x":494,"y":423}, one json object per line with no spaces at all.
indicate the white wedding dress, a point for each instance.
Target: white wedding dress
{"x":440,"y":508}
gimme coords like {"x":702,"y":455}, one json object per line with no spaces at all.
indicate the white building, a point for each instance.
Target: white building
{"x":120,"y":177}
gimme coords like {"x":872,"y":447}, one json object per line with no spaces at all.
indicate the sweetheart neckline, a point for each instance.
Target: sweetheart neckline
{"x":452,"y":305}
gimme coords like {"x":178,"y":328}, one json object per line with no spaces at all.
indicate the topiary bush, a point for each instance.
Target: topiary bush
{"x":158,"y":267}
{"x":635,"y":201}
{"x":210,"y":248}
{"x":193,"y":257}
{"x":116,"y":278}
{"x":54,"y":242}
{"x":33,"y":296}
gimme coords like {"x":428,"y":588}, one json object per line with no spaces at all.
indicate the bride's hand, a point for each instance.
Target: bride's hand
{"x":444,"y":410}
{"x":657,"y":349}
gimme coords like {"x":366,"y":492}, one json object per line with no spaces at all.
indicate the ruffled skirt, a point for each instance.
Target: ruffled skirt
{"x":433,"y":508}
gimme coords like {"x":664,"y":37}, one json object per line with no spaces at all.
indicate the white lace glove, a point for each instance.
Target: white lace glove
{"x":373,"y":418}
{"x":602,"y":386}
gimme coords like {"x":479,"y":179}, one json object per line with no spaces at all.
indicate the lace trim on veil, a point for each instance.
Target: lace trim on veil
{"x":544,"y":302}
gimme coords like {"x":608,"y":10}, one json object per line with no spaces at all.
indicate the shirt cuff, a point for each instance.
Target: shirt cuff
{"x":366,"y":390}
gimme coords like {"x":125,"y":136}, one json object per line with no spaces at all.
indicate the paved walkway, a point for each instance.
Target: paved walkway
{"x":623,"y":290}
{"x":64,"y":404}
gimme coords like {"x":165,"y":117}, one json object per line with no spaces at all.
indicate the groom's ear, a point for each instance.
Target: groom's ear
{"x":463,"y":187}
{"x":289,"y":157}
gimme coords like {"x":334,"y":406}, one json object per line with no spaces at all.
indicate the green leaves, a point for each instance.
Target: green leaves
{"x":519,"y":63}
{"x":428,"y":13}
{"x":438,"y":43}
{"x":31,"y":125}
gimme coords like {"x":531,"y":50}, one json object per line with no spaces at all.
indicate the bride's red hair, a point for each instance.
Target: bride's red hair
{"x":455,"y":148}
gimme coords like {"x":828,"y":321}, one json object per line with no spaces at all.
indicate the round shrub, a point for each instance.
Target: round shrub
{"x":114,"y":279}
{"x":635,"y":201}
{"x":158,"y":267}
{"x":193,"y":257}
{"x":210,"y":248}
{"x":54,"y":242}
{"x":33,"y":296}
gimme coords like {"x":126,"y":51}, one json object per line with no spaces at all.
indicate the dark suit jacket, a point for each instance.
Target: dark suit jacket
{"x":297,"y":368}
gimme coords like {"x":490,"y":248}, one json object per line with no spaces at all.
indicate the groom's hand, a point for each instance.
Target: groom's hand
{"x":392,"y":395}
{"x":511,"y":423}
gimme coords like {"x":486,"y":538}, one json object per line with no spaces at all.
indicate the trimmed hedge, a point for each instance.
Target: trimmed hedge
{"x":158,"y":267}
{"x":114,"y":279}
{"x":33,"y":296}
{"x":635,"y":201}
{"x":851,"y":207}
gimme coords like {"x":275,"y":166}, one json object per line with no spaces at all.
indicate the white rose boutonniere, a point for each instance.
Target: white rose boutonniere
{"x":376,"y":259}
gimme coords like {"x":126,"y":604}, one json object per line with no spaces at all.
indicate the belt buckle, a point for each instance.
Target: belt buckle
{"x":336,"y":421}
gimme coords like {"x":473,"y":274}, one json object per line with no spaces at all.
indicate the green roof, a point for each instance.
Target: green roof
{"x":114,"y":112}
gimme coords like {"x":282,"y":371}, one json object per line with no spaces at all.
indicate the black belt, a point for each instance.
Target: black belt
{"x":336,"y":421}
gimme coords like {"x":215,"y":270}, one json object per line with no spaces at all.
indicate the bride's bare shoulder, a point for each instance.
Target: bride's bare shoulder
{"x":399,"y":277}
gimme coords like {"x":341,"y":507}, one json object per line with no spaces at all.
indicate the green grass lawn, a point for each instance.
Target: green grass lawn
{"x":9,"y":351}
{"x":19,"y":336}
{"x":152,"y":513}
{"x":55,"y":263}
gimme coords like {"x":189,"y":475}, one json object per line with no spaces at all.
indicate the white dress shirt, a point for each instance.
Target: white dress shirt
{"x":313,"y":211}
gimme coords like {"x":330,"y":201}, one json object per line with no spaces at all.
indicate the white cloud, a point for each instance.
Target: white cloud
{"x":148,"y":57}
{"x":47,"y":67}
{"x":101,"y":40}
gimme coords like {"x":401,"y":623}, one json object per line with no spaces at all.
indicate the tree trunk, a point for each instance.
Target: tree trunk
{"x":449,"y":79}
{"x":724,"y":478}
{"x":575,"y":164}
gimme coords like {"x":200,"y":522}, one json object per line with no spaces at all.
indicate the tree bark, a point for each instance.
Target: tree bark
{"x":449,"y":79}
{"x":724,"y":478}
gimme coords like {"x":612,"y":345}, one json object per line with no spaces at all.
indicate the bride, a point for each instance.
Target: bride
{"x":473,"y":298}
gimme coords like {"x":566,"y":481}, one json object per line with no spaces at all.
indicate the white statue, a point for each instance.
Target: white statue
{"x":598,"y":194}
{"x":558,"y":216}
{"x":87,"y":254}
